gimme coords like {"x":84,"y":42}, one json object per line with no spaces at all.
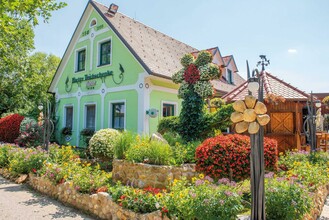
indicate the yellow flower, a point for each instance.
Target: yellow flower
{"x":201,"y":176}
{"x":194,"y":179}
{"x":159,"y":195}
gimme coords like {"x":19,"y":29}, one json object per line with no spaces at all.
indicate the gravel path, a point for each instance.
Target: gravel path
{"x":19,"y":202}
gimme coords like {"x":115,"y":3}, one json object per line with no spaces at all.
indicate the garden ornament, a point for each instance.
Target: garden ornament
{"x":249,"y":115}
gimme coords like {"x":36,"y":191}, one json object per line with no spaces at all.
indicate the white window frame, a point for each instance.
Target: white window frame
{"x":175,"y":104}
{"x":94,"y":19}
{"x":64,"y":118}
{"x":99,"y":50}
{"x":76,"y":60}
{"x":111,"y":112}
{"x":85,"y":114}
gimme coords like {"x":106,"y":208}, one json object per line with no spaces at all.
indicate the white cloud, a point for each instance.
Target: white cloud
{"x":292,"y":51}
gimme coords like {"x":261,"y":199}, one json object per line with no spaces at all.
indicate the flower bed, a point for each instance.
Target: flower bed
{"x":143,"y":175}
{"x":99,"y":204}
{"x":298,"y":190}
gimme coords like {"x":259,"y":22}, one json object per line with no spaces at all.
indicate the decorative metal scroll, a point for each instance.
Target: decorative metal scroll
{"x":87,"y":77}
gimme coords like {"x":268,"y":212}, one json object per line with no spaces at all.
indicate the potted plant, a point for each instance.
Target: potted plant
{"x":67,"y":131}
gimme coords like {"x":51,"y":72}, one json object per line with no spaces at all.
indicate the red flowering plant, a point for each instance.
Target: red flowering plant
{"x":229,"y":156}
{"x":9,"y":127}
{"x":191,"y":74}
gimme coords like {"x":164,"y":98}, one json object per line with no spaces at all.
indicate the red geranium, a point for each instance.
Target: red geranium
{"x":191,"y":74}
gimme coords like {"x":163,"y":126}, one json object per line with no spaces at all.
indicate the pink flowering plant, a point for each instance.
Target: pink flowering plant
{"x":289,"y":196}
{"x":202,"y":199}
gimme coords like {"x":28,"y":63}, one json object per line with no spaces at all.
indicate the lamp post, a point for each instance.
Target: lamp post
{"x":47,"y":123}
{"x":257,"y":168}
{"x":309,"y":124}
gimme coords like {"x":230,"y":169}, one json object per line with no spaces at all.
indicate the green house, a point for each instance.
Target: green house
{"x":116,"y":73}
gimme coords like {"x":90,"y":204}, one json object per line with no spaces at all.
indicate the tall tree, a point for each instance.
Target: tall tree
{"x":17,"y":19}
{"x":22,"y":91}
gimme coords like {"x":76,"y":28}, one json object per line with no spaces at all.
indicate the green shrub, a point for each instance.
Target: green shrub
{"x":149,"y":151}
{"x":27,"y":122}
{"x":61,"y":154}
{"x":31,"y":137}
{"x":286,"y":200}
{"x":84,"y":177}
{"x":202,"y":200}
{"x":185,"y":153}
{"x":102,"y":143}
{"x":23,"y":161}
{"x":289,"y":158}
{"x":168,"y":124}
{"x":134,"y":199}
{"x":123,"y":143}
{"x":4,"y":149}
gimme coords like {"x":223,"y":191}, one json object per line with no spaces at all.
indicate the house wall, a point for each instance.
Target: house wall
{"x":138,"y":90}
{"x":105,"y":90}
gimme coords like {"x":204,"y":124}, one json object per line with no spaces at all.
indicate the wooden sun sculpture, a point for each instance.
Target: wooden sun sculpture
{"x":249,"y":115}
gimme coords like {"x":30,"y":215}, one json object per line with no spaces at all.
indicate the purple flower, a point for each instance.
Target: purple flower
{"x":269,"y":175}
{"x":228,"y":193}
{"x":199,"y":182}
{"x":224,"y":181}
{"x":209,"y":179}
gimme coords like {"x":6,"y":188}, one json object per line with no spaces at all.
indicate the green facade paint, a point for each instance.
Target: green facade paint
{"x":103,"y":91}
{"x":157,"y":98}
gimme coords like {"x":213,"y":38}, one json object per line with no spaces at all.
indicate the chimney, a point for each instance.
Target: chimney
{"x":112,"y":10}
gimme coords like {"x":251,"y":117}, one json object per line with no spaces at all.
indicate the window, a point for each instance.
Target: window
{"x":118,"y":115}
{"x":168,"y":110}
{"x":81,"y":60}
{"x":68,"y":117}
{"x":93,"y":23}
{"x":105,"y":53}
{"x":229,"y":77}
{"x":90,"y":116}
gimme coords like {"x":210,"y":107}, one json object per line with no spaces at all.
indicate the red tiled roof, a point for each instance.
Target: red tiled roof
{"x":272,"y":85}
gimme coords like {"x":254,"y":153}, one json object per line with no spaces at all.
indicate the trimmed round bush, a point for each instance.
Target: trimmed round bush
{"x":9,"y":127}
{"x":229,"y":156}
{"x":101,"y":145}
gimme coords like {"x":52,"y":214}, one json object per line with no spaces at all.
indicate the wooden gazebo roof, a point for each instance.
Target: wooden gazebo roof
{"x":272,"y":85}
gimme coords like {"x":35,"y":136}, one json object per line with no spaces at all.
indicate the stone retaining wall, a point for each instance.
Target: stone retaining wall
{"x":319,"y":198}
{"x":143,"y":175}
{"x":99,"y":204}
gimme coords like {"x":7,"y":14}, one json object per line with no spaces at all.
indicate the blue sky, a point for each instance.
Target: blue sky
{"x":294,"y":34}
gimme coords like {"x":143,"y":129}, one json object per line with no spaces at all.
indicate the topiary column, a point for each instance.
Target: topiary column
{"x":195,"y":87}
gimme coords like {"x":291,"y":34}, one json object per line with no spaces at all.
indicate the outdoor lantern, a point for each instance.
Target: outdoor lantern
{"x":318,"y":103}
{"x":253,"y":85}
{"x":40,"y":106}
